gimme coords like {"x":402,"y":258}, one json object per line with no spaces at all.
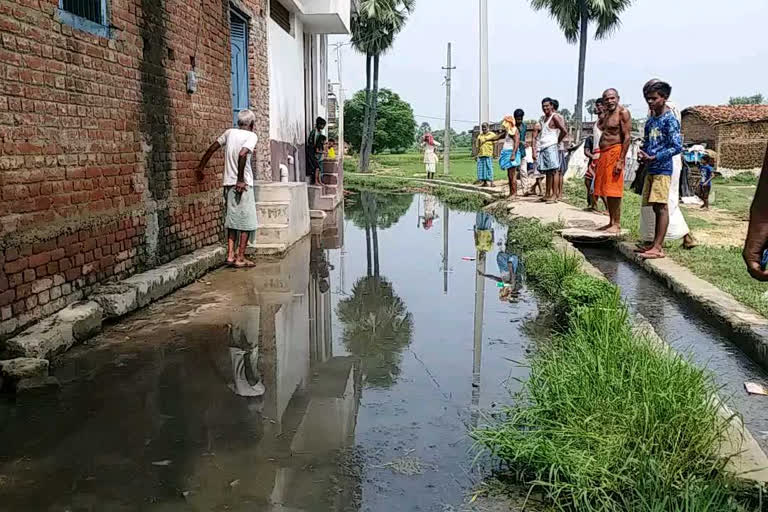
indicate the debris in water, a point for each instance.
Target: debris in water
{"x":234,"y":483}
{"x":468,"y":258}
{"x":408,"y":465}
{"x":166,"y":462}
{"x":755,"y":389}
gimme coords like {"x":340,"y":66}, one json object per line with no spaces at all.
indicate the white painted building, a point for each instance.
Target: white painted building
{"x":298,"y":73}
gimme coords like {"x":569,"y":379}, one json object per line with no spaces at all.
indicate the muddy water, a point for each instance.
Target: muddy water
{"x":367,"y":357}
{"x":689,"y":333}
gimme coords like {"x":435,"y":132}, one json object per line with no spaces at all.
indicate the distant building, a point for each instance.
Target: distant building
{"x":738,"y":133}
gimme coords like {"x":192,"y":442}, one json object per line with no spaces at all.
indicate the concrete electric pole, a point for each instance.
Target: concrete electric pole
{"x":447,"y":137}
{"x":485,"y":110}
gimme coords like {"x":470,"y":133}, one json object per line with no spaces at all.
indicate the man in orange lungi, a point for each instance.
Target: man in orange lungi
{"x":616,"y":126}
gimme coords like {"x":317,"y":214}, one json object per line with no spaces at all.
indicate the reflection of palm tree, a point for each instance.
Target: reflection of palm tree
{"x":372,"y":211}
{"x":377,"y":327}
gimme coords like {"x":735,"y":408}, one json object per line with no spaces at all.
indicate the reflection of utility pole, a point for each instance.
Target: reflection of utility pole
{"x":447,"y":131}
{"x":446,"y":213}
{"x":477,"y":352}
{"x":340,"y":102}
{"x":485,"y":109}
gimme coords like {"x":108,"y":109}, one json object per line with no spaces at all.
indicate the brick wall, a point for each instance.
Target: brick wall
{"x":695,"y":130}
{"x":742,"y":145}
{"x":99,"y":141}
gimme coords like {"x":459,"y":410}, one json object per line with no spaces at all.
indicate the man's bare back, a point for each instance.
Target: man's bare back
{"x":613,"y":126}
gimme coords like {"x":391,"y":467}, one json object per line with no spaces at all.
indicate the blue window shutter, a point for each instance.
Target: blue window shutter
{"x":239,"y":40}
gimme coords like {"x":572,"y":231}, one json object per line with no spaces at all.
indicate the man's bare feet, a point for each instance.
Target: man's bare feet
{"x":689,"y":242}
{"x":642,"y":247}
{"x":613,"y":229}
{"x":244,"y":263}
{"x":652,"y":254}
{"x":604,"y":228}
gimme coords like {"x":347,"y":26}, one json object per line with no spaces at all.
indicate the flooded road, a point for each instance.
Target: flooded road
{"x":343,"y":376}
{"x":689,"y":333}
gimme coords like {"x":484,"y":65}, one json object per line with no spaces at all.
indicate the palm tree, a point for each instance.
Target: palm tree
{"x":377,"y":327}
{"x":374,"y":26}
{"x":574,"y":17}
{"x":591,"y":106}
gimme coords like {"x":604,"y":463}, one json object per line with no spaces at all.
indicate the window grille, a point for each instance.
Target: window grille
{"x":280,"y":15}
{"x":91,"y":10}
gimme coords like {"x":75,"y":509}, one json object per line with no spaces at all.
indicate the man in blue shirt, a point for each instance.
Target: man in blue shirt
{"x":662,"y":142}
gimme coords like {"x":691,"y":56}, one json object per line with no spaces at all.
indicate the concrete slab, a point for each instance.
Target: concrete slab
{"x":137,"y":291}
{"x":85,"y":317}
{"x":42,"y":340}
{"x":750,"y":329}
{"x":591,"y":235}
{"x":569,"y":216}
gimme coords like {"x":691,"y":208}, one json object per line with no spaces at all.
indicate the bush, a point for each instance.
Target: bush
{"x":525,"y":235}
{"x":580,"y":290}
{"x":547,"y":269}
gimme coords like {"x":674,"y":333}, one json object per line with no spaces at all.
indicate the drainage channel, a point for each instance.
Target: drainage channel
{"x":689,"y":333}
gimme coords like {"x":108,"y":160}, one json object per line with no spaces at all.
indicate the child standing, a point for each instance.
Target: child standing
{"x":707,"y":173}
{"x":485,"y":142}
{"x":430,"y":154}
{"x":662,"y":142}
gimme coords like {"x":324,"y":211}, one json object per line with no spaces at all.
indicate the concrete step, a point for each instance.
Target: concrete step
{"x":273,"y":212}
{"x":272,"y":234}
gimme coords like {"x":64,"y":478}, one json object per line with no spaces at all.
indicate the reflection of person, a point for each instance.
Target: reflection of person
{"x":483,"y":232}
{"x":239,"y":199}
{"x":663,"y":141}
{"x":510,"y":154}
{"x":331,"y":149}
{"x":616,"y":127}
{"x":430,"y":146}
{"x":757,"y":234}
{"x":319,"y":268}
{"x":244,"y":355}
{"x":510,"y":276}
{"x":485,"y":142}
{"x":315,"y":149}
{"x":429,"y":212}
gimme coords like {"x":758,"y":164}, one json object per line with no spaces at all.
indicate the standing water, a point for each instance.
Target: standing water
{"x":339,"y":377}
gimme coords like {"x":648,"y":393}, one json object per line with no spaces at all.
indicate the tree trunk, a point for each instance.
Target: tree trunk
{"x":366,"y":156}
{"x":582,"y":65}
{"x":367,"y":112}
{"x":375,"y":223}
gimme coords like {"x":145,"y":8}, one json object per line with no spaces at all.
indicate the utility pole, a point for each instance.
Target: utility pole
{"x":447,"y":137}
{"x":485,"y":110}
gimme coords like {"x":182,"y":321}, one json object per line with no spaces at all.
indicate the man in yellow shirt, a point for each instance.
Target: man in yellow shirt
{"x":485,"y":142}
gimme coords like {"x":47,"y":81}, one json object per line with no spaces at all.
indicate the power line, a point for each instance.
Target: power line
{"x":443,"y":119}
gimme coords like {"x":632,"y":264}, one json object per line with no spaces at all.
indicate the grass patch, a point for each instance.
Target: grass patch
{"x":734,"y":200}
{"x":724,"y":268}
{"x":608,"y":420}
{"x":525,"y":235}
{"x":410,"y":165}
{"x":743,"y":178}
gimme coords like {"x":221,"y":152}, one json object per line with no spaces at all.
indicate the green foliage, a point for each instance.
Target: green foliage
{"x":609,"y":420}
{"x":395,"y":124}
{"x":581,"y":290}
{"x":547,"y":269}
{"x":374,"y":209}
{"x":591,"y":107}
{"x":525,"y":235}
{"x":757,"y":99}
{"x":567,"y":14}
{"x":458,"y":200}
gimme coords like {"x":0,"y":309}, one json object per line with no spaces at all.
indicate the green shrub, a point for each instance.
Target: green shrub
{"x":582,"y":290}
{"x":525,"y":235}
{"x":547,"y":269}
{"x":609,"y":421}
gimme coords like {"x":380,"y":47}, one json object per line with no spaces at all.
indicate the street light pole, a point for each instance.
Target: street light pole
{"x":485,"y":113}
{"x":447,"y":131}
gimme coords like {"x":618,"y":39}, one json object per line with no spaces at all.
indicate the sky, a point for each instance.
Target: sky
{"x":707,"y":50}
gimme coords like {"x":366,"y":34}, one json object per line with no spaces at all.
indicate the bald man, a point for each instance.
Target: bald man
{"x":616,"y":126}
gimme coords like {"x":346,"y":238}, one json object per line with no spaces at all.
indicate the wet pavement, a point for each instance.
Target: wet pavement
{"x":367,"y":357}
{"x":689,"y":333}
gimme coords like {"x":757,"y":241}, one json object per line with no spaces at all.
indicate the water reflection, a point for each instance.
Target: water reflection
{"x":225,"y":396}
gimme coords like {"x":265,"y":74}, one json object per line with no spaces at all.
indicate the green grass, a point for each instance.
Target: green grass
{"x":410,"y":165}
{"x":734,"y":200}
{"x":724,"y":268}
{"x":743,"y":178}
{"x":608,"y":420}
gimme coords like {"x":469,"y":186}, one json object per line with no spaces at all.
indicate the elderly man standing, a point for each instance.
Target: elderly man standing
{"x":616,"y":126}
{"x":239,"y":199}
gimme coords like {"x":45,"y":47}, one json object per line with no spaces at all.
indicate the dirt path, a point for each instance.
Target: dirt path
{"x":726,"y":229}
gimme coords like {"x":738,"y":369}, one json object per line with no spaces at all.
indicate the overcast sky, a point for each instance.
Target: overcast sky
{"x":708,"y":50}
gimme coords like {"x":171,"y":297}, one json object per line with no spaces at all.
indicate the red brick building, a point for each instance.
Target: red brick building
{"x":99,"y":139}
